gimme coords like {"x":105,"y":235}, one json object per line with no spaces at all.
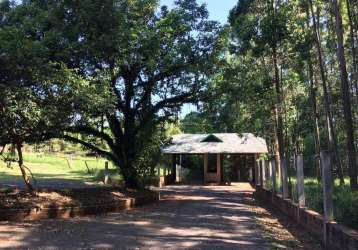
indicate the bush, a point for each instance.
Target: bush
{"x":314,"y":195}
{"x":345,"y":203}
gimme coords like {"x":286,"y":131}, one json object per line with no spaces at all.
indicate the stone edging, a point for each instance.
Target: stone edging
{"x":338,"y":236}
{"x":64,"y":212}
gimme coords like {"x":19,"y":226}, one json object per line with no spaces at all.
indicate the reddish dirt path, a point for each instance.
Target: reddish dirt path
{"x":199,"y":217}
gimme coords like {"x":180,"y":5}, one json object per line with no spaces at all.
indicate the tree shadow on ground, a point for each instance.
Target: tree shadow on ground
{"x":188,"y":217}
{"x":78,"y":179}
{"x":282,"y":231}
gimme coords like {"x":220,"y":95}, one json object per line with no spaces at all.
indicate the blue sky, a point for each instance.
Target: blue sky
{"x":218,"y":11}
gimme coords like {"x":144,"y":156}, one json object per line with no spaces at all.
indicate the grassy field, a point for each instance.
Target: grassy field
{"x":61,"y":167}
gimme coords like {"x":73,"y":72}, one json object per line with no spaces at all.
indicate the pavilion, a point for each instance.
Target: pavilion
{"x":244,"y":149}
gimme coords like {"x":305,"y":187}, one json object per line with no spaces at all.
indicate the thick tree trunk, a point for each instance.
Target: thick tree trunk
{"x":347,"y":109}
{"x":332,"y":140}
{"x":130,"y":175}
{"x":130,"y":179}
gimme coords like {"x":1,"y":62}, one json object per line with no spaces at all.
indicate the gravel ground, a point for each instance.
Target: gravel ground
{"x":197,"y":217}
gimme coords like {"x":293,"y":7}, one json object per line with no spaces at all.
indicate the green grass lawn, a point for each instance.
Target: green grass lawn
{"x":57,"y":167}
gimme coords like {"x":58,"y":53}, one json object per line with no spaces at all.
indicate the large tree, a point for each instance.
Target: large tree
{"x":32,"y":87}
{"x":260,"y":28}
{"x":139,"y":65}
{"x":346,"y":100}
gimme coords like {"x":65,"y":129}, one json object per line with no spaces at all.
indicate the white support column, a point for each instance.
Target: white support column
{"x":327,"y":185}
{"x":269,"y":169}
{"x":273,"y":176}
{"x":278,"y":172}
{"x":327,"y":190}
{"x":284,"y":172}
{"x":300,"y":181}
{"x":263,"y":172}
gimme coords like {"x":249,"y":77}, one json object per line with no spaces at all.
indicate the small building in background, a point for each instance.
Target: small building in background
{"x":226,"y":157}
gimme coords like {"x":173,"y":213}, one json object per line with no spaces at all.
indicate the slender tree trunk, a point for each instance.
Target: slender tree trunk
{"x":347,"y":109}
{"x":332,"y":139}
{"x":276,"y":148}
{"x":278,"y":109}
{"x":278,"y":115}
{"x":278,"y":106}
{"x":354,"y":52}
{"x":22,"y":169}
{"x":315,"y":116}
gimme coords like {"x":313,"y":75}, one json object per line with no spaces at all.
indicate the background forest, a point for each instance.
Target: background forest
{"x":289,"y":74}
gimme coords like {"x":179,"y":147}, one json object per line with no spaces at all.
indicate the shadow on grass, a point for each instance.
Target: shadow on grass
{"x":67,"y":180}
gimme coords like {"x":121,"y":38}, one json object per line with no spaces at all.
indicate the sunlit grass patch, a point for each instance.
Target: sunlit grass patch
{"x":58,"y":167}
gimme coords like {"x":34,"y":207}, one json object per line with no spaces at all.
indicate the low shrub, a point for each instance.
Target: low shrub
{"x":345,"y":204}
{"x":345,"y":201}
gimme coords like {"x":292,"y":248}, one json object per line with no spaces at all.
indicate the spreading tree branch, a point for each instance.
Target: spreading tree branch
{"x":91,"y":147}
{"x":115,"y":126}
{"x":91,"y":131}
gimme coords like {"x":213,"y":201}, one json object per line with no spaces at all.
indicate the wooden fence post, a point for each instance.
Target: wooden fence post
{"x":69,"y":163}
{"x":88,"y":169}
{"x":300,"y":181}
{"x":285,"y":192}
{"x":106,"y":173}
{"x":327,"y":190}
{"x":273,"y":166}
